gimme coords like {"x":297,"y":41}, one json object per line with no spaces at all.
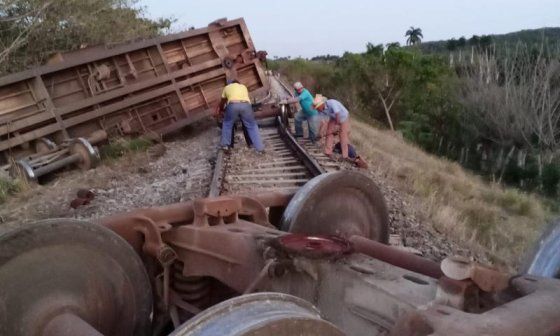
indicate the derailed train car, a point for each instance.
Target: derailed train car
{"x":150,"y":87}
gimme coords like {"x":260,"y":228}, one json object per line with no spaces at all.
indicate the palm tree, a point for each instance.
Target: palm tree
{"x":414,"y":36}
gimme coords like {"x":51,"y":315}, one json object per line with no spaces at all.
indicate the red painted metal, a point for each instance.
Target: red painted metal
{"x":314,"y":247}
{"x":396,"y":257}
{"x":200,"y":253}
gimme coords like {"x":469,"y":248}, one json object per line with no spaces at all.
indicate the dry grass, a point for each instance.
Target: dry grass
{"x":499,"y":222}
{"x":10,"y":187}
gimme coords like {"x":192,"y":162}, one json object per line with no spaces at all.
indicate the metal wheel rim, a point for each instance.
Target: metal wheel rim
{"x":259,"y":314}
{"x":342,"y":203}
{"x":90,"y":156}
{"x":66,"y":265}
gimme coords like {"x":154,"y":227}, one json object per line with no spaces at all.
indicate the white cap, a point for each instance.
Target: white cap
{"x":298,"y":85}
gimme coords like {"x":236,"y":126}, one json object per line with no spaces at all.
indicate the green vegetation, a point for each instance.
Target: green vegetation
{"x":121,"y":146}
{"x":496,"y":112}
{"x":31,"y":31}
{"x":9,"y":187}
{"x":529,"y":37}
{"x":414,"y":36}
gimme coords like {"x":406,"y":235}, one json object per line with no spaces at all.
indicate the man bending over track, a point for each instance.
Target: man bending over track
{"x":337,"y":116}
{"x":237,"y":103}
{"x":353,"y":156}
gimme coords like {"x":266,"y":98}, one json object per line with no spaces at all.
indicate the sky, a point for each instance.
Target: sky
{"x":311,"y":28}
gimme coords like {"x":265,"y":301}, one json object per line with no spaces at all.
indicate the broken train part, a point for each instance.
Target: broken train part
{"x":151,"y":87}
{"x":260,"y":314}
{"x":66,"y":274}
{"x":191,"y":268}
{"x":78,"y":152}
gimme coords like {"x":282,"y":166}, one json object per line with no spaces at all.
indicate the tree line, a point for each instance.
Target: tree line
{"x":489,"y":102}
{"x":31,"y":31}
{"x":496,"y":111}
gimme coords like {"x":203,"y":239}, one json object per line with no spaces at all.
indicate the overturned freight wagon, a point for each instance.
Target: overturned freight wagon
{"x":149,"y":87}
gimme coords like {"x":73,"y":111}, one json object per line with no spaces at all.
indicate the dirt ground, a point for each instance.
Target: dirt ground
{"x":183,"y":172}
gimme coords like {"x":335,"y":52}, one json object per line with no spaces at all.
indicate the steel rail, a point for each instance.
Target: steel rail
{"x":296,"y":150}
{"x":312,"y":165}
{"x":308,"y":161}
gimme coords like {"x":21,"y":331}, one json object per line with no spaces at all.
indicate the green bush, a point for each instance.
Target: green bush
{"x":8,"y":187}
{"x":138,"y":144}
{"x":121,"y":146}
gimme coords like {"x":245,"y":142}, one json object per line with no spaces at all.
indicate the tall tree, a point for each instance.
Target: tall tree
{"x":474,"y":41}
{"x":451,"y":44}
{"x":514,"y":103}
{"x":372,"y":49}
{"x":392,"y":45}
{"x":414,"y":36}
{"x":486,"y":42}
{"x":33,"y":30}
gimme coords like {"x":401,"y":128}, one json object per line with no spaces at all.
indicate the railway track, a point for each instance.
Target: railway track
{"x":286,"y":165}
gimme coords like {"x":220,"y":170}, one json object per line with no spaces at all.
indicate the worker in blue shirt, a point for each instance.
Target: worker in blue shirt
{"x":307,"y":113}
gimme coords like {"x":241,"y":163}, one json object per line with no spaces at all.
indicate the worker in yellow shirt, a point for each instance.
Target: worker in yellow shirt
{"x":237,"y":103}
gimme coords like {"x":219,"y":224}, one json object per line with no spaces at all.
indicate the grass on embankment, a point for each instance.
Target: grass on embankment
{"x":500,"y":222}
{"x":119,"y":147}
{"x":9,"y":187}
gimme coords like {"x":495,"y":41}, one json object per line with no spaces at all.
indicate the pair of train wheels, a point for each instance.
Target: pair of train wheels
{"x":87,"y":272}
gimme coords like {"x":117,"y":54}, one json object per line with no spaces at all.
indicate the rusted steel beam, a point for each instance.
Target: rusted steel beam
{"x":396,"y":257}
{"x":44,"y":96}
{"x":267,"y":111}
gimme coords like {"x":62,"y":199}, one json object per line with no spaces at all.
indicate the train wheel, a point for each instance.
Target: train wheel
{"x":90,"y":155}
{"x":544,"y":258}
{"x":259,"y":314}
{"x":22,"y":170}
{"x":69,"y":277}
{"x":343,"y":203}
